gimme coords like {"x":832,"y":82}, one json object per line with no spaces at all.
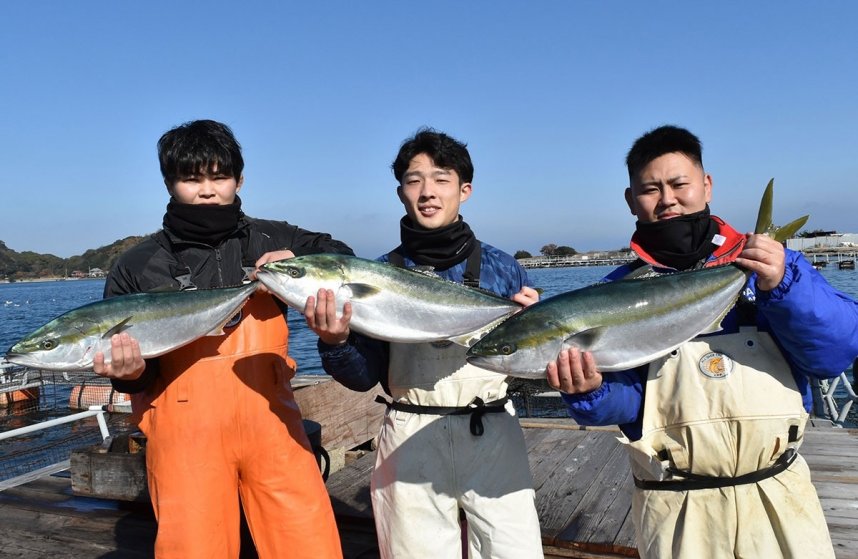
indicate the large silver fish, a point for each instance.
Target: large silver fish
{"x":388,"y":302}
{"x":625,"y":323}
{"x":160,"y":322}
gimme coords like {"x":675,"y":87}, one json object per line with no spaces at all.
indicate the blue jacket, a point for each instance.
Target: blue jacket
{"x":363,"y":362}
{"x":815,"y":326}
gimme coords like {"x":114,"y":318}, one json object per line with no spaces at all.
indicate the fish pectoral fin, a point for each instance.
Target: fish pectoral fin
{"x":585,"y":339}
{"x":117,"y":328}
{"x":361,"y":290}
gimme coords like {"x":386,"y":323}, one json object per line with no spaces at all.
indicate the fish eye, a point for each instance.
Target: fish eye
{"x":48,"y":344}
{"x":294,"y":272}
{"x":507,"y":349}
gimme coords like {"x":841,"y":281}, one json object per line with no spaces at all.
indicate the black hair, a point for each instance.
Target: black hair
{"x":662,"y":140}
{"x":446,"y":152}
{"x":197,"y":148}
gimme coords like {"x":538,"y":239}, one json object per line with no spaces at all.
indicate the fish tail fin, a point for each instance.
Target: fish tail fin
{"x":764,"y":219}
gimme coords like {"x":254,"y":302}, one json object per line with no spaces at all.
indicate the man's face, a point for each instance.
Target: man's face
{"x":669,"y":186}
{"x":431,"y":195}
{"x":216,"y":189}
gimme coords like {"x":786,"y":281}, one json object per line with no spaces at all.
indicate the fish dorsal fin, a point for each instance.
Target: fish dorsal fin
{"x":117,"y":328}
{"x":361,"y":290}
{"x":164,"y":289}
{"x":640,"y":272}
{"x":585,"y":339}
{"x":424,"y":271}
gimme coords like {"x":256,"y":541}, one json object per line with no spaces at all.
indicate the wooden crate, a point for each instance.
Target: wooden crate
{"x":115,"y":469}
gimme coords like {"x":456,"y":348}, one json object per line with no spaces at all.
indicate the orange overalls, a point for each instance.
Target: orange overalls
{"x":220,"y":421}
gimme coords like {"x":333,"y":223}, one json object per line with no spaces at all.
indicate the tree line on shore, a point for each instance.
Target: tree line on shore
{"x":16,"y":266}
{"x":552,"y":249}
{"x":30,"y":265}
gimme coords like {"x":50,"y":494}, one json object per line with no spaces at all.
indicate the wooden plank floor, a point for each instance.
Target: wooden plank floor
{"x":582,"y":481}
{"x":583,"y":488}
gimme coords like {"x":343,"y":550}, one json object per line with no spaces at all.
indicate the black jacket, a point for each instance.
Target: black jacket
{"x":164,"y":261}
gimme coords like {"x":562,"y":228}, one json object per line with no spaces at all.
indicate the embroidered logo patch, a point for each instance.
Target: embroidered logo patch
{"x":715,"y":365}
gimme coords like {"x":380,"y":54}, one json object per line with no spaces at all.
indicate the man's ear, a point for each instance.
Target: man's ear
{"x":630,"y":200}
{"x":465,"y":190}
{"x":399,"y":194}
{"x":239,"y":183}
{"x":169,"y":188}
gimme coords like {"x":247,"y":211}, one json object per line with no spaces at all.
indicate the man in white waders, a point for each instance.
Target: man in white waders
{"x":713,"y":429}
{"x":450,"y":443}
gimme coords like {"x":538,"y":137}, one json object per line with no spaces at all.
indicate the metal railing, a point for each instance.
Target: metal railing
{"x":97,"y":411}
{"x":826,"y":403}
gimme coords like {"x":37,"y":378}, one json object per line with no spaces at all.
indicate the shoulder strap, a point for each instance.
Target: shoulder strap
{"x":180,"y":271}
{"x":247,"y":260}
{"x":472,"y":267}
{"x":396,"y":258}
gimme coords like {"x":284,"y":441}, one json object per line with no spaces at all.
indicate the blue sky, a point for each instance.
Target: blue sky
{"x":549,"y":97}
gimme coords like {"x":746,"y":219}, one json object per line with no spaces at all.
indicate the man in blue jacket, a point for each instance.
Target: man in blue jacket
{"x":450,"y":443}
{"x":713,"y":429}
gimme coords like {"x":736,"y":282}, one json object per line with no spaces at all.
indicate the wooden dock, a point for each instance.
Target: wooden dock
{"x":581,"y":476}
{"x":583,"y":489}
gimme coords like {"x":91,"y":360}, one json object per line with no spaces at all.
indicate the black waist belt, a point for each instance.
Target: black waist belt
{"x":691,"y":481}
{"x":476,"y":409}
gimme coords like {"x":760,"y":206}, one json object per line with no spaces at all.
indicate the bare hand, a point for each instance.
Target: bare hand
{"x":321,"y":316}
{"x":126,"y":362}
{"x":526,"y":297}
{"x":765,"y":256}
{"x":574,"y":372}
{"x":272,"y":256}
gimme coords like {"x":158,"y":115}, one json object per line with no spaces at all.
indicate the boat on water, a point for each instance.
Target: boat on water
{"x":846,"y":265}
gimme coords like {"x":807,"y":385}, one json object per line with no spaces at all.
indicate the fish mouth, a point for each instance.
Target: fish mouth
{"x":488,"y":363}
{"x":17,"y":358}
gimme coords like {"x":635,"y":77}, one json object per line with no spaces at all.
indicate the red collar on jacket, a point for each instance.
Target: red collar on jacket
{"x":724,"y":254}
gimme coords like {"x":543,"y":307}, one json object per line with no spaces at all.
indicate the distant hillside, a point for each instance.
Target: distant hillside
{"x":27,"y":265}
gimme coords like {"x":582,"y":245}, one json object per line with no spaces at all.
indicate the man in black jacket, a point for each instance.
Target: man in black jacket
{"x":219,"y":414}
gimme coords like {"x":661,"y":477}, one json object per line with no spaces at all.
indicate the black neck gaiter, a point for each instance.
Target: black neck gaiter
{"x":680,"y":242}
{"x":202,"y":223}
{"x":440,"y":248}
